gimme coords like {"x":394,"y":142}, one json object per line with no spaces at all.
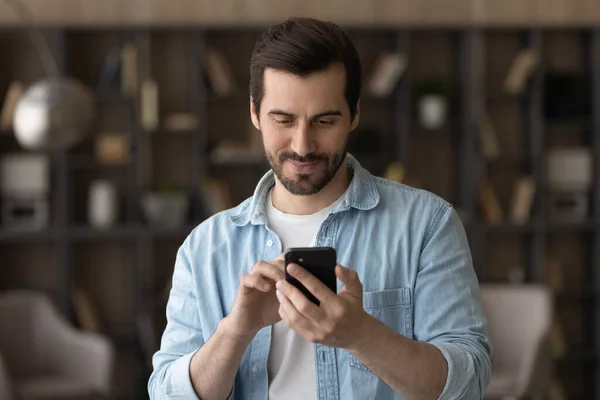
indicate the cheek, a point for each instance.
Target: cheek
{"x":274,"y":141}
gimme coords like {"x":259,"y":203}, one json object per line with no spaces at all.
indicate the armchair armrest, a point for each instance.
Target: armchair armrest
{"x":86,"y":356}
{"x":5,"y":386}
{"x":91,"y":359}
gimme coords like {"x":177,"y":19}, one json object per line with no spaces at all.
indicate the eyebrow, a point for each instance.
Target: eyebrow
{"x":330,"y":113}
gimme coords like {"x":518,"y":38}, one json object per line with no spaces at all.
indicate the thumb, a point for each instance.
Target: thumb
{"x":350,"y":279}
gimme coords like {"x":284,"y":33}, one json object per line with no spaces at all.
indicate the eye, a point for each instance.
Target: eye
{"x":324,"y":122}
{"x":282,"y":122}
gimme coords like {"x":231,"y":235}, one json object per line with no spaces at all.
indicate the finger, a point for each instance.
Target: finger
{"x":269,"y":270}
{"x":292,"y":317}
{"x":350,"y":279}
{"x":311,"y":282}
{"x":300,"y":302}
{"x":255,"y":282}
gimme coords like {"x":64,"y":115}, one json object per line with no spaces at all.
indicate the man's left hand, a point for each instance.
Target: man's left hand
{"x":340,"y":318}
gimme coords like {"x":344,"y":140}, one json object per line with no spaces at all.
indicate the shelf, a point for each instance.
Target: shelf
{"x":581,"y":356}
{"x":584,"y":122}
{"x":507,"y":227}
{"x":111,"y":97}
{"x":15,"y":236}
{"x":166,"y":232}
{"x":212,"y":97}
{"x":509,"y":161}
{"x":576,"y":295}
{"x":241,"y":159}
{"x":536,"y":227}
{"x":121,"y":337}
{"x":506,"y":98}
{"x":162,"y":133}
{"x":558,"y":226}
{"x":88,"y":162}
{"x":85,"y":233}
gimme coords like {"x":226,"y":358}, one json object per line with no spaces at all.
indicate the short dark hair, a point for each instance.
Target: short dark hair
{"x":303,"y":46}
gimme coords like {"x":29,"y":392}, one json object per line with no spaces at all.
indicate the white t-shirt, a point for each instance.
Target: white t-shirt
{"x":291,"y":364}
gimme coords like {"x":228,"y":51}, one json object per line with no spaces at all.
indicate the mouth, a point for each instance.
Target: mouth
{"x":304,"y":167}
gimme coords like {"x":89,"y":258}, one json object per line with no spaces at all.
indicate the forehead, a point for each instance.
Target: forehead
{"x":312,"y":93}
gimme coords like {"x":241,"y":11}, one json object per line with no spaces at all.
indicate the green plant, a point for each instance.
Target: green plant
{"x":166,"y":186}
{"x":433,"y":86}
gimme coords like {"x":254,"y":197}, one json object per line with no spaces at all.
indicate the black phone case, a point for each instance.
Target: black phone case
{"x":319,"y":261}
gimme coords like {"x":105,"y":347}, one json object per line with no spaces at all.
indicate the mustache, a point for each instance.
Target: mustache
{"x":312,"y":157}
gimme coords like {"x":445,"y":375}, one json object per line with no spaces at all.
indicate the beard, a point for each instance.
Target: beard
{"x":307,"y":184}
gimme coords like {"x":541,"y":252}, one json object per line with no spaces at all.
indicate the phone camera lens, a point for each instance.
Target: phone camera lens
{"x":300,"y":260}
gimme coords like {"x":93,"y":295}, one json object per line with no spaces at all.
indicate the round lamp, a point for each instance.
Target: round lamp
{"x":54,"y":113}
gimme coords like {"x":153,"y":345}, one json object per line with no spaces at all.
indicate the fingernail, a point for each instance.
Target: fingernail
{"x":292,"y":268}
{"x":280,"y":284}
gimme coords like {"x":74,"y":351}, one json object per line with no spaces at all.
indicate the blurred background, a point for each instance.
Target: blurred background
{"x":494,"y":105}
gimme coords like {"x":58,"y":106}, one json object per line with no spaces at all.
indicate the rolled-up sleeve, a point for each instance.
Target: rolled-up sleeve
{"x":447,"y":308}
{"x":181,"y":339}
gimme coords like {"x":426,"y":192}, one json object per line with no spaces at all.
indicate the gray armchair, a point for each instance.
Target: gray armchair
{"x":520,"y":320}
{"x":45,"y":358}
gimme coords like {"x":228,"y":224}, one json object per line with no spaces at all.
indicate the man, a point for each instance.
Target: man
{"x":406,"y":322}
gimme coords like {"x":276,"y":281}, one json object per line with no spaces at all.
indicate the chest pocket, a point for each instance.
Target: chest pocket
{"x":393,"y":308}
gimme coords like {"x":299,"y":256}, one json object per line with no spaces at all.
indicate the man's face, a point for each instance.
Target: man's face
{"x":305,"y":124}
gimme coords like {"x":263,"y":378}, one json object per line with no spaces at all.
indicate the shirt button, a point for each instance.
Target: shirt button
{"x":254,"y":371}
{"x":269,"y":243}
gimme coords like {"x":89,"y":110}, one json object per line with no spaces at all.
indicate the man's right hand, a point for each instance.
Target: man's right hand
{"x":256,"y":304}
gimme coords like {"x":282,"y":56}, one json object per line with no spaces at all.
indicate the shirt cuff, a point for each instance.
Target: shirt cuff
{"x":180,"y":382}
{"x":460,"y":370}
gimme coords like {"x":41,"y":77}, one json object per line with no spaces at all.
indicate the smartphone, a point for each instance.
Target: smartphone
{"x":319,"y":261}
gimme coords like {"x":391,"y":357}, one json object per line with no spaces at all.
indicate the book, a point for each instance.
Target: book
{"x":520,"y":71}
{"x":112,"y":149}
{"x":13,"y":95}
{"x":555,"y":277}
{"x":129,"y":69}
{"x":522,"y":200}
{"x":488,"y":137}
{"x":109,"y":77}
{"x":86,"y":311}
{"x":219,"y":73}
{"x":396,"y":172}
{"x":386,"y":73}
{"x":490,"y":205}
{"x":149,"y":105}
{"x":178,"y":122}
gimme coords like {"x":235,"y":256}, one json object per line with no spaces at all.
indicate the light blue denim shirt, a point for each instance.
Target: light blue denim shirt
{"x":411,"y":254}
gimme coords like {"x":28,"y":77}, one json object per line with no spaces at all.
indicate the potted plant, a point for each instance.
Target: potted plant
{"x":165,"y":206}
{"x":433,"y":102}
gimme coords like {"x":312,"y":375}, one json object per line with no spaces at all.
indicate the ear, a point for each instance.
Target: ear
{"x":356,"y":116}
{"x":254,"y":115}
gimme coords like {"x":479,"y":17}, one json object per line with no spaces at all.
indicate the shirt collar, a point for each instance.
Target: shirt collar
{"x":362,"y":194}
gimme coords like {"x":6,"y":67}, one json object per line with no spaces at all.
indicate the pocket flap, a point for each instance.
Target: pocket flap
{"x":386,"y":298}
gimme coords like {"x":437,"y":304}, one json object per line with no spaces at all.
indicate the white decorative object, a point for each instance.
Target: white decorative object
{"x":570,"y":169}
{"x":24,"y":188}
{"x":25,"y":174}
{"x":103,"y":204}
{"x":165,"y":209}
{"x":53,"y":114}
{"x":569,"y":206}
{"x":432,"y":111}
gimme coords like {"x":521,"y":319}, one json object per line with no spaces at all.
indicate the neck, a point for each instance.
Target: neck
{"x":289,"y":203}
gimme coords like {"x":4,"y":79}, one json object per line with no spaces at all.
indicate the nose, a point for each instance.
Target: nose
{"x":303,"y":142}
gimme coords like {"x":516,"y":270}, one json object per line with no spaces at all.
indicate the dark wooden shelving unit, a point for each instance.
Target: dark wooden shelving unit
{"x":447,"y":161}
